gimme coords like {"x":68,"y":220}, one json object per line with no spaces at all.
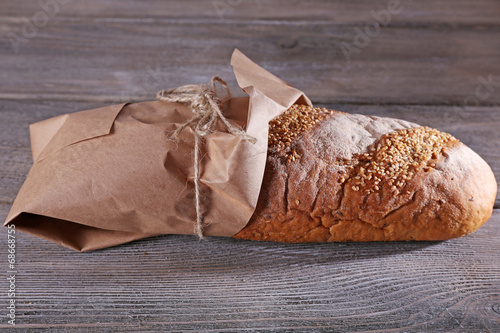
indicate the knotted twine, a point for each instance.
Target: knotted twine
{"x":207,"y":107}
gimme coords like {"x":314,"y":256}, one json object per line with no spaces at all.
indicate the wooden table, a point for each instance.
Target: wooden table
{"x":432,"y":62}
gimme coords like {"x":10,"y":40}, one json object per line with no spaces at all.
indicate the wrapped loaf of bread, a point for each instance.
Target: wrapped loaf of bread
{"x":267,"y":166}
{"x":335,"y":177}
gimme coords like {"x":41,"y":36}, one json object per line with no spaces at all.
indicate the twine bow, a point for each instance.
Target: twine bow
{"x":206,"y":105}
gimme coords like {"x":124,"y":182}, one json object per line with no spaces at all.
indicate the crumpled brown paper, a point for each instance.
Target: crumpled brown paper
{"x":111,"y":175}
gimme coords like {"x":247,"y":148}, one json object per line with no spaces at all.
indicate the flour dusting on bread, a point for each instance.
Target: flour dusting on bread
{"x":343,"y":135}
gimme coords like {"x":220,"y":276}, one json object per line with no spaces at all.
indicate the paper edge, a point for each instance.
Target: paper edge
{"x":46,"y":151}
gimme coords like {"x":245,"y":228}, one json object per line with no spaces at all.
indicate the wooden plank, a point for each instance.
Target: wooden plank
{"x":477,"y":128}
{"x":119,"y":60}
{"x":177,"y":283}
{"x":341,"y":12}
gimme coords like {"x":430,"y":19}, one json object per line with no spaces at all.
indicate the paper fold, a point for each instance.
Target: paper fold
{"x":56,"y":133}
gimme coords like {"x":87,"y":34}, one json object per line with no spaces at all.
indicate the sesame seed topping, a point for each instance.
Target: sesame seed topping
{"x":390,"y":163}
{"x":397,"y":156}
{"x":290,"y":124}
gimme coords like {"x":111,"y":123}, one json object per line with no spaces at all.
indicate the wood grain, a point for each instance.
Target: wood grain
{"x":117,"y":60}
{"x":479,"y":12}
{"x":177,"y":283}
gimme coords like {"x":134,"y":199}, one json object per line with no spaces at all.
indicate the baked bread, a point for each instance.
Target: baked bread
{"x":337,"y":177}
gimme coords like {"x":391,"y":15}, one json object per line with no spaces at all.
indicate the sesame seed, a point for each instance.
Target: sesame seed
{"x":398,"y":156}
{"x":285,"y":128}
{"x":395,"y":158}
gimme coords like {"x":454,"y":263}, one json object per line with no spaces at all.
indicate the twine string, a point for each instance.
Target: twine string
{"x":207,"y":106}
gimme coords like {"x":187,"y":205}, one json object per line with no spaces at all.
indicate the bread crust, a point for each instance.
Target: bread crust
{"x":313,"y":199}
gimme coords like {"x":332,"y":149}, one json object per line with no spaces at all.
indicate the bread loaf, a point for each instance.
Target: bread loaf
{"x":336,"y":177}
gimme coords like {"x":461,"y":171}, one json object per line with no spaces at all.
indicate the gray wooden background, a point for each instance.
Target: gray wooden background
{"x":436,"y":63}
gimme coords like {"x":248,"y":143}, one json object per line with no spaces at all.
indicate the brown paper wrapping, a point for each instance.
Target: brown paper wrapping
{"x":111,"y":175}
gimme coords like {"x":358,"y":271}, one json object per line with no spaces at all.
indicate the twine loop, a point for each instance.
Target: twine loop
{"x":207,"y":106}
